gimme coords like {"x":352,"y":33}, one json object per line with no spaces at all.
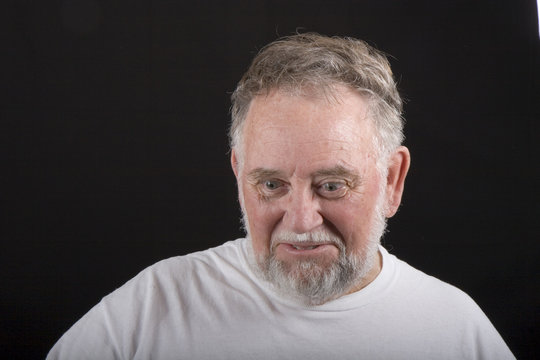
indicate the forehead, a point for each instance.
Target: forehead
{"x":283,"y":128}
{"x":309,"y":110}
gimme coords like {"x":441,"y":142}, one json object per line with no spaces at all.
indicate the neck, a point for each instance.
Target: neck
{"x":371,"y":275}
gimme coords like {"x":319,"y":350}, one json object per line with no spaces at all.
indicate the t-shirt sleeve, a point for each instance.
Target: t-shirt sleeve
{"x":89,"y":338}
{"x":113,"y":328}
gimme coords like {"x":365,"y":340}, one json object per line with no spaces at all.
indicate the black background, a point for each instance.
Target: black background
{"x":114,"y":152}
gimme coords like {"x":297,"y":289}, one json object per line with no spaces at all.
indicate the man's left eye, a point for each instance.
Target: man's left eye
{"x":332,"y":186}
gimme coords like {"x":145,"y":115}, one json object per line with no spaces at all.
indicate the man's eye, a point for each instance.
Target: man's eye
{"x":333,"y":189}
{"x":272,"y":184}
{"x":332,"y":186}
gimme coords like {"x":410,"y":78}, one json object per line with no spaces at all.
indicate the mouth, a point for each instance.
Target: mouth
{"x":304,"y":249}
{"x":300,"y":247}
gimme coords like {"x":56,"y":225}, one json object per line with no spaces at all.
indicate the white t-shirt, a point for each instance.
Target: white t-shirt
{"x":210,"y":305}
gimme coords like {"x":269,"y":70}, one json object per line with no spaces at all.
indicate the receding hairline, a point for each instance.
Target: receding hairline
{"x":330,"y":92}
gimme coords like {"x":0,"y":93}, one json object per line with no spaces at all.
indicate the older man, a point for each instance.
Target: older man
{"x":316,"y":149}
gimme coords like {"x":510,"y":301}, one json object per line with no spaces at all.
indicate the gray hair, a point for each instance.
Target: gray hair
{"x":318,"y":63}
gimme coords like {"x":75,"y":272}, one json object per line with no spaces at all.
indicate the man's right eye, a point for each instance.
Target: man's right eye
{"x":272,"y":184}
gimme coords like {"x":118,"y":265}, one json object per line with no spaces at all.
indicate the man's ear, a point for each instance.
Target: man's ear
{"x":395,"y":182}
{"x":234,"y":163}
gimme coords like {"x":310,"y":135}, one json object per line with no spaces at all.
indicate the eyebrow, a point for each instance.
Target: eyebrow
{"x":338,"y":171}
{"x":259,"y":174}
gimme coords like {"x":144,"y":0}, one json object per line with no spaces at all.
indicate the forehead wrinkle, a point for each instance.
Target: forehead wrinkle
{"x":262,"y":124}
{"x":310,"y":141}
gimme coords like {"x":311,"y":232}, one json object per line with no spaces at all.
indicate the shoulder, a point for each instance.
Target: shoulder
{"x":434,"y":294}
{"x":227,"y":258}
{"x":162,"y":296}
{"x":228,"y":252}
{"x":442,"y":311}
{"x":449,"y":320}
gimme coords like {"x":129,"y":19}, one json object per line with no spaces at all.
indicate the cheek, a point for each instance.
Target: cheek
{"x":262,"y":217}
{"x":353,"y":219}
{"x":347,"y":217}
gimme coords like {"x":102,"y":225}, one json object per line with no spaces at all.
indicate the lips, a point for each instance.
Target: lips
{"x":300,"y":247}
{"x":303,"y":248}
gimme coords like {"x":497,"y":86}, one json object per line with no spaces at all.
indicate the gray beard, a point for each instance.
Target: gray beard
{"x":312,"y":283}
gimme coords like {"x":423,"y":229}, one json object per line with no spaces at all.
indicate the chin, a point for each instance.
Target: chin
{"x":315,"y":281}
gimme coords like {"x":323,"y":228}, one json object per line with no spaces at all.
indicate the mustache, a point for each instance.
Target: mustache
{"x":317,"y":237}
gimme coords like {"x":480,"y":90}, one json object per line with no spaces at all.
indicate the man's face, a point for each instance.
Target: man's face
{"x":309,"y":186}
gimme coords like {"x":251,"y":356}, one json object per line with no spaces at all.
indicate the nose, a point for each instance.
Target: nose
{"x":302,"y":213}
